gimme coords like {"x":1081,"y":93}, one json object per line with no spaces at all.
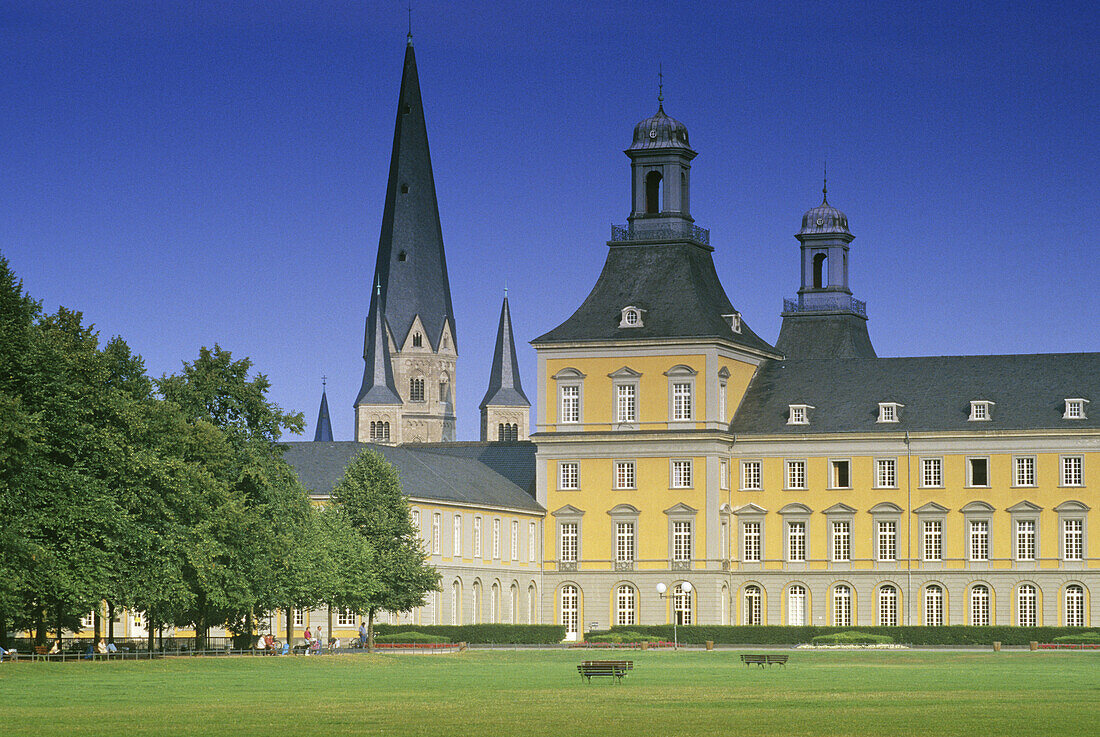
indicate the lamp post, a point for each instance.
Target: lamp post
{"x":662,"y":591}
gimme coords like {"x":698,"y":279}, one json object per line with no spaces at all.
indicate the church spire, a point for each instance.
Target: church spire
{"x":378,"y":386}
{"x":505,"y":407}
{"x":324,"y":424}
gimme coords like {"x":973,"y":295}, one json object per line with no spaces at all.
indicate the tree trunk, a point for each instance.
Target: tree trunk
{"x":289,"y":626}
{"x":248,"y":628}
{"x":98,"y":621}
{"x":3,"y":629}
{"x":330,"y":635}
{"x":39,"y":626}
{"x":58,"y":621}
{"x":110,"y":622}
{"x":370,"y":630}
{"x":150,"y":633}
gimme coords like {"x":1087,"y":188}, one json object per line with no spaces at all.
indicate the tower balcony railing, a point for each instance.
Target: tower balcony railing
{"x":667,"y":231}
{"x":827,"y":303}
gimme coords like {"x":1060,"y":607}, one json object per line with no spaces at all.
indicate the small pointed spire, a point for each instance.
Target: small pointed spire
{"x":378,"y":386}
{"x":825,"y":185}
{"x":324,"y":424}
{"x":660,"y":86}
{"x":410,"y":36}
{"x":505,"y":388}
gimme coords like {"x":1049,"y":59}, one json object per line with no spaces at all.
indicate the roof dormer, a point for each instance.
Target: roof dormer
{"x":981,"y":410}
{"x":889,"y":411}
{"x":799,"y":414}
{"x":1075,"y":409}
{"x":631,"y":317}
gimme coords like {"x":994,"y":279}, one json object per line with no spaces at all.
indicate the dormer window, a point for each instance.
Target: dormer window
{"x":1075,"y":409}
{"x":734,"y":321}
{"x":631,"y":317}
{"x":799,"y":414}
{"x":981,"y":410}
{"x":888,"y":411}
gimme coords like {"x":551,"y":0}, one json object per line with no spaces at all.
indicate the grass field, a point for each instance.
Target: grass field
{"x":539,"y":693}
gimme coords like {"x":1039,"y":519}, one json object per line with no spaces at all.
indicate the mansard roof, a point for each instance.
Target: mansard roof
{"x":824,"y":335}
{"x":481,"y":474}
{"x":1029,"y":392}
{"x":505,"y":389}
{"x":411,"y":265}
{"x":674,"y":282}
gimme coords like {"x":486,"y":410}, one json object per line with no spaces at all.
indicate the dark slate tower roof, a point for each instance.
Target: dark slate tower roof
{"x":378,"y":386}
{"x":324,"y":424}
{"x":504,"y":384}
{"x":411,"y":266}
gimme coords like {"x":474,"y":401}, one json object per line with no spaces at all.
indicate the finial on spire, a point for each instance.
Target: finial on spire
{"x":378,"y":286}
{"x":410,"y":36}
{"x":825,"y":184}
{"x":505,"y":290}
{"x":660,"y":85}
{"x":324,"y":382}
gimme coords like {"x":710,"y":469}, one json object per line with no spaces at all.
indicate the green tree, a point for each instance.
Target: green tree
{"x":370,"y":498}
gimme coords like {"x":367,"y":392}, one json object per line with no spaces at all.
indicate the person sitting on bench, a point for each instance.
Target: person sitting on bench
{"x":56,"y":649}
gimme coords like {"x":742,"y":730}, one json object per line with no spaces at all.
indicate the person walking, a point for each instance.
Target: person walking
{"x":319,"y":641}
{"x":362,"y":635}
{"x":309,"y":639}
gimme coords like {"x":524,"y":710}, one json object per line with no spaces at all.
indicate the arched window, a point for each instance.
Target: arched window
{"x":513,"y":432}
{"x":624,"y":605}
{"x":494,"y":604}
{"x":1025,"y":605}
{"x":819,"y":270}
{"x":416,"y":389}
{"x":979,"y":605}
{"x":477,"y":602}
{"x":456,"y":602}
{"x":796,"y":605}
{"x":500,"y":432}
{"x":418,"y":340}
{"x":681,"y":605}
{"x":887,"y":606}
{"x":842,"y":606}
{"x":753,"y":598}
{"x":725,"y":604}
{"x":532,"y":605}
{"x":386,"y":431}
{"x":933,"y":606}
{"x":513,"y":609}
{"x":653,"y":192}
{"x":444,"y":388}
{"x":569,"y":608}
{"x":1075,"y":606}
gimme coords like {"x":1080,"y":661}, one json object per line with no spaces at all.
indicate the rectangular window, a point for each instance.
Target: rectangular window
{"x":887,"y":540}
{"x":569,"y":475}
{"x":721,"y":401}
{"x":725,"y":540}
{"x":681,"y":541}
{"x":796,"y":474}
{"x":842,"y":540}
{"x":568,"y":542}
{"x":496,"y":539}
{"x":886,"y":473}
{"x":477,"y":537}
{"x":751,"y":476}
{"x":933,"y":540}
{"x":1073,"y":539}
{"x":532,"y":542}
{"x":1072,"y":471}
{"x":437,"y":522}
{"x":752,"y":542}
{"x":570,"y":403}
{"x":681,"y":401}
{"x":840,"y":477}
{"x":624,"y":542}
{"x":626,"y":408}
{"x":931,"y":472}
{"x":978,"y":471}
{"x":299,"y":617}
{"x":1025,"y":539}
{"x":514,"y":542}
{"x":796,"y":541}
{"x":723,"y":474}
{"x":979,"y":540}
{"x":416,"y":520}
{"x":458,"y":537}
{"x":1023,"y":471}
{"x":681,"y":474}
{"x":625,"y":475}
{"x":345,"y":618}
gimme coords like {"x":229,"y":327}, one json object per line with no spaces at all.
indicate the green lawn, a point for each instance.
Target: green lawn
{"x":539,"y":693}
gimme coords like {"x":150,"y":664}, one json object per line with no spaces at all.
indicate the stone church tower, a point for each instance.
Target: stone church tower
{"x":410,"y":348}
{"x":505,"y":410}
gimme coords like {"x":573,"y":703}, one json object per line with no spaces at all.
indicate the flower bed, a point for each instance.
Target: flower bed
{"x":415,"y":645}
{"x":1068,"y":646}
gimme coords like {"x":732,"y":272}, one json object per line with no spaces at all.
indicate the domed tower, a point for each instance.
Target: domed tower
{"x":825,"y":321}
{"x":660,"y":163}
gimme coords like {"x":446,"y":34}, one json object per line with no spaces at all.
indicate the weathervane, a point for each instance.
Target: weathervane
{"x":410,"y":37}
{"x":660,"y":85}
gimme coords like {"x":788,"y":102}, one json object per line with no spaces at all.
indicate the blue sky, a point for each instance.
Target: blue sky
{"x":187,"y":173}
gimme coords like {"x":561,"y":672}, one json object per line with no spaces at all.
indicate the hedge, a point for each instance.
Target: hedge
{"x":1081,"y":638}
{"x":853,"y":638}
{"x":620,"y":637}
{"x":484,"y":634}
{"x":777,"y":635}
{"x":412,"y":637}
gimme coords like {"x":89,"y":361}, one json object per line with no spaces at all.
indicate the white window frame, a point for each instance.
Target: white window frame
{"x":345,"y":618}
{"x":931,"y":473}
{"x":887,"y":605}
{"x":456,"y":543}
{"x":682,"y":540}
{"x":631,"y":317}
{"x":753,"y":597}
{"x":980,"y":597}
{"x":1075,"y":409}
{"x":795,"y":476}
{"x":933,"y":605}
{"x":797,"y":544}
{"x":723,"y":474}
{"x":1073,"y":611}
{"x":437,"y":524}
{"x":1073,"y":538}
{"x":1027,"y":605}
{"x":970,"y":461}
{"x":1026,"y":539}
{"x":797,"y":597}
{"x":834,"y":473}
{"x":1024,"y":472}
{"x":842,"y":605}
{"x":840,"y":540}
{"x":570,"y":608}
{"x":626,"y":475}
{"x":477,"y":536}
{"x":680,"y":474}
{"x":513,"y":543}
{"x":683,"y":400}
{"x":569,"y":541}
{"x":625,"y":541}
{"x":532,"y":542}
{"x":886,"y":473}
{"x":932,"y":540}
{"x":752,"y":541}
{"x":625,"y":605}
{"x":570,"y":396}
{"x":569,"y":475}
{"x":886,"y":540}
{"x":889,"y":411}
{"x":978,"y":543}
{"x":1072,"y":470}
{"x":626,"y":402}
{"x":496,"y":538}
{"x":752,"y":475}
{"x":981,"y":410}
{"x":799,"y":414}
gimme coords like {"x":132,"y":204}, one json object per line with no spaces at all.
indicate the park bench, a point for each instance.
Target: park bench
{"x":762,"y":660}
{"x":617,"y":668}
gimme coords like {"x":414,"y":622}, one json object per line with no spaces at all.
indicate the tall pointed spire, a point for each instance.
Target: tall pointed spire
{"x":378,"y":386}
{"x":411,"y":265}
{"x":504,"y":384}
{"x":324,"y":424}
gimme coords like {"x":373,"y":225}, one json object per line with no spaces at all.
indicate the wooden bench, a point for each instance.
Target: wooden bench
{"x":762,"y":660}
{"x":616,"y":668}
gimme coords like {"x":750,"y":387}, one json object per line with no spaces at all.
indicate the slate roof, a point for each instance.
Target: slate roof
{"x":1029,"y":392}
{"x":378,"y":386}
{"x":324,"y":424}
{"x":505,"y":388}
{"x":677,"y":286}
{"x":824,"y":336}
{"x":483,"y":474}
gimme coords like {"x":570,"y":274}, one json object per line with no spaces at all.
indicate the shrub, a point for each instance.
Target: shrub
{"x":852,"y":638}
{"x":1083,"y":638}
{"x":619,"y":637}
{"x":912,"y":635}
{"x":412,"y":637}
{"x":484,"y":634}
